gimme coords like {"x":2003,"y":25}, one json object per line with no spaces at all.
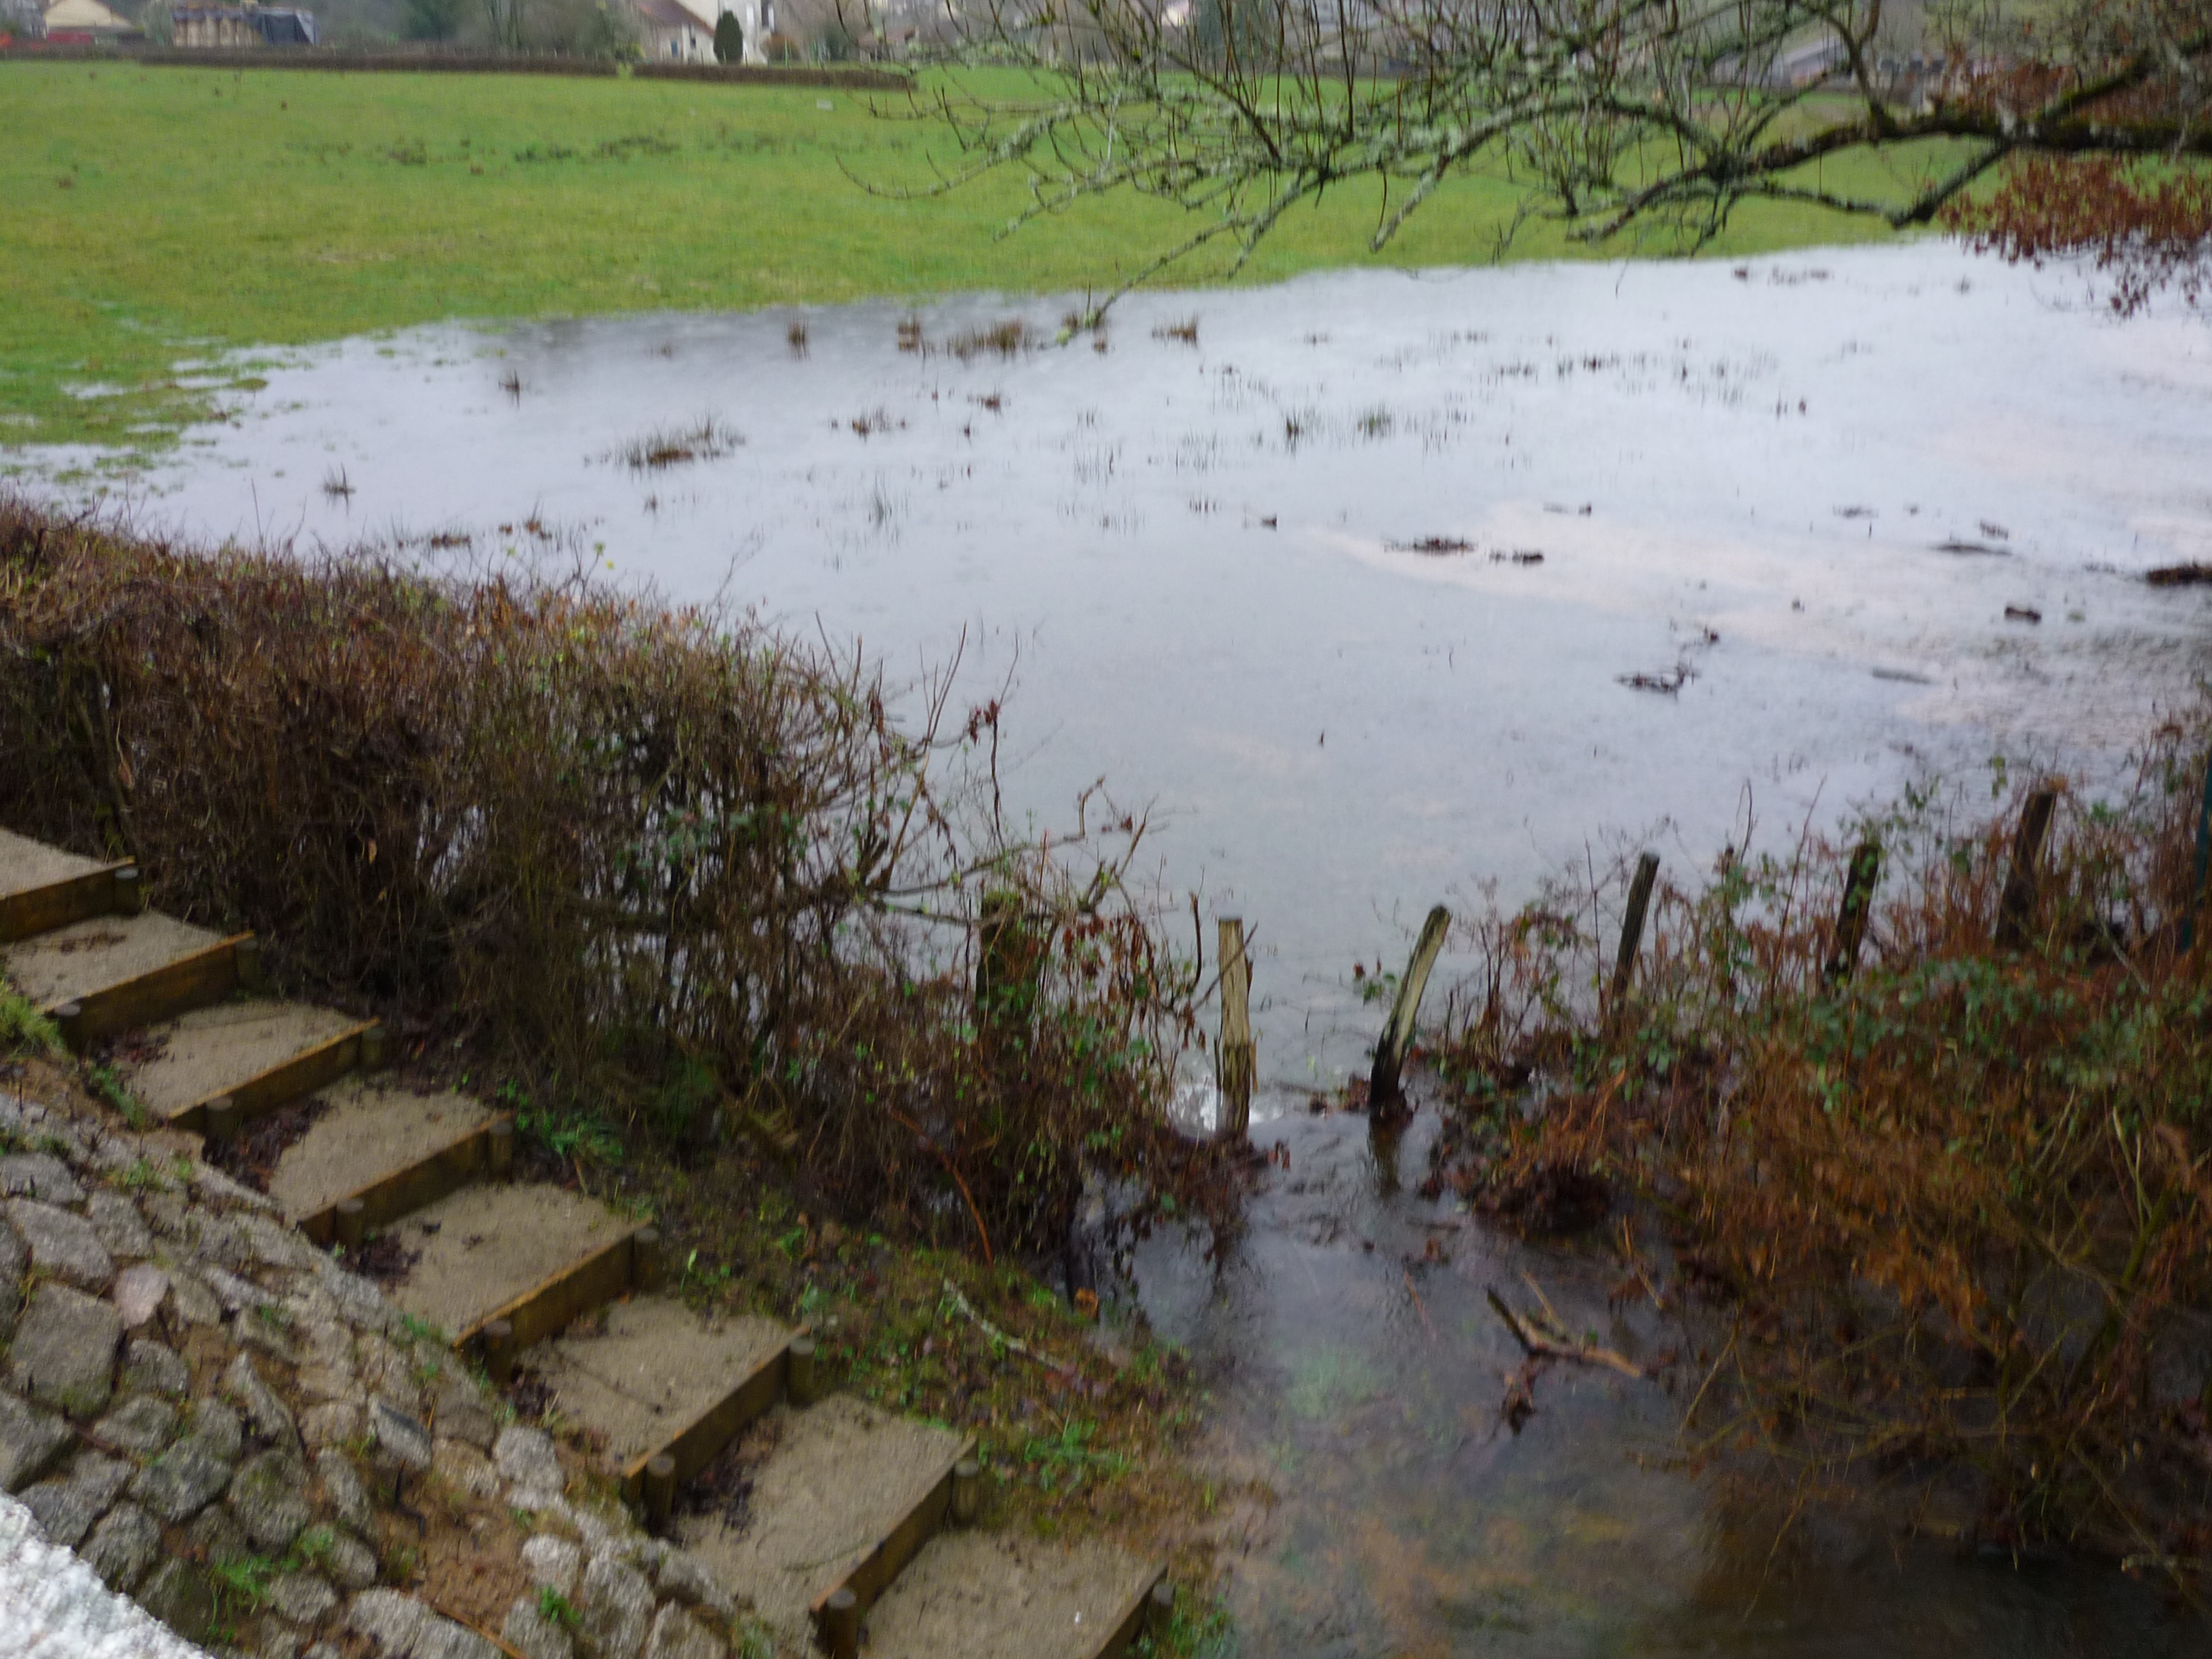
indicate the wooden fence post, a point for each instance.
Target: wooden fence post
{"x":2016,"y":907}
{"x":1236,"y":1056}
{"x":1384,"y":1097}
{"x":1632,"y":924}
{"x":1851,"y":918}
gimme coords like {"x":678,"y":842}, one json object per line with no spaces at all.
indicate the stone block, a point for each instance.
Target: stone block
{"x":151,"y":1367}
{"x":533,"y":1635}
{"x":615,"y":1609}
{"x":217,"y":1539}
{"x":268,"y":1415}
{"x":63,"y":1354}
{"x":553,"y":1563}
{"x":350,"y":1562}
{"x":464,"y":1468}
{"x":400,"y":1438}
{"x":179,"y":1596}
{"x":217,"y":1424}
{"x":66,"y":1506}
{"x":463,"y":1413}
{"x":267,"y":1496}
{"x":194,"y":1303}
{"x":139,"y":1293}
{"x":527,"y":1461}
{"x":182,"y":1481}
{"x":301,"y":1597}
{"x":343,"y":1490}
{"x":62,"y":1244}
{"x":14,"y":1262}
{"x":31,"y":1443}
{"x":40,"y":1176}
{"x":123,"y":1547}
{"x":141,"y":1425}
{"x":677,"y":1635}
{"x":115,"y":1221}
{"x":329,"y":1425}
{"x":684,"y":1579}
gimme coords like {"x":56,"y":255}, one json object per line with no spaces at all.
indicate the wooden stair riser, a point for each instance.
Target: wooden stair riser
{"x":703,"y":1439}
{"x":175,"y":987}
{"x":283,"y":1084}
{"x":551,"y":1308}
{"x":1131,"y":1625}
{"x":42,"y":909}
{"x":444,"y":1169}
{"x":876,"y":1570}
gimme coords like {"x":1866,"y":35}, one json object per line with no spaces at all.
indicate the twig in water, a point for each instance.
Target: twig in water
{"x":1540,"y":1338}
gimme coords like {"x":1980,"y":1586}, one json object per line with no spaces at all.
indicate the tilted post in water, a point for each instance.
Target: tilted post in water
{"x":2016,"y":907}
{"x":1005,"y":967}
{"x":1632,"y":924}
{"x":1384,"y":1095}
{"x":1851,"y":919}
{"x":1236,"y":1056}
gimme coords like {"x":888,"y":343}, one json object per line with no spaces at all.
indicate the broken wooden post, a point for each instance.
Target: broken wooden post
{"x":499,"y":1147}
{"x":1383,"y":1094}
{"x":499,"y":1352}
{"x":69,"y":1020}
{"x":660,"y":1491}
{"x":247,"y":955}
{"x":130,"y":893}
{"x":967,"y":1491}
{"x":1236,"y":1056}
{"x":223,"y":1121}
{"x":840,"y":1624}
{"x":1851,"y":919}
{"x":351,"y":1223}
{"x":373,"y":1044}
{"x":1632,"y":924}
{"x":1159,"y":1611}
{"x":644,"y":1259}
{"x":2016,"y":906}
{"x":798,"y":1372}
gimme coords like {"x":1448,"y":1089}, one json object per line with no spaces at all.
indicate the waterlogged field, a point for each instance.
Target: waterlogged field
{"x":155,"y":214}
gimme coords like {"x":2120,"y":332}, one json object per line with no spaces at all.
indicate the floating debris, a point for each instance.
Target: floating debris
{"x":2022,"y":613}
{"x":705,"y":440}
{"x":1518,"y":556}
{"x":1435,"y":546}
{"x":1853,"y":512}
{"x":1996,"y":532}
{"x":1981,"y":549}
{"x":1667,"y":682}
{"x":1904,"y":676}
{"x":2178,"y":576}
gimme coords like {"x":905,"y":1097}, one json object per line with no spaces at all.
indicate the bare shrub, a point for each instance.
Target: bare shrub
{"x":1956,"y":1206}
{"x":612,"y":843}
{"x":704,"y":439}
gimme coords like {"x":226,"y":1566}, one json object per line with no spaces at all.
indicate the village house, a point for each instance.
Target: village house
{"x":682,"y":31}
{"x":197,"y":25}
{"x":67,"y":23}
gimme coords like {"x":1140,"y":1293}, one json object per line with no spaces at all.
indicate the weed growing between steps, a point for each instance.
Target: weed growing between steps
{"x":1957,"y":1207}
{"x":672,"y":870}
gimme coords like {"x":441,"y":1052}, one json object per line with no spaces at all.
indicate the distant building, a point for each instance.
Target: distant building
{"x":81,"y":22}
{"x":682,"y":31}
{"x":197,"y":25}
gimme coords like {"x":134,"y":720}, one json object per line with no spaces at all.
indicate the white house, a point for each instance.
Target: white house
{"x":682,"y":31}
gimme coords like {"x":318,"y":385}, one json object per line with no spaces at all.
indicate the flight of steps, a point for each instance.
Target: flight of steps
{"x":849,"y":1507}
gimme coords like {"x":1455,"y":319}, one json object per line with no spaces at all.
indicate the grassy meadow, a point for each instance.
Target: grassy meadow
{"x":156,"y":216}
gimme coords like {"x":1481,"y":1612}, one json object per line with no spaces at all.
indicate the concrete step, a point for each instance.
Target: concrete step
{"x":491,"y":1245}
{"x":124,"y":971}
{"x":843,"y":1496}
{"x":42,"y":887}
{"x":655,"y":1377}
{"x":370,"y":1132}
{"x":262,"y":1055}
{"x":986,"y":1596}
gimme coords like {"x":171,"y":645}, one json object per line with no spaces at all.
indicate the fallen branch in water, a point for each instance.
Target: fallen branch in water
{"x":961,"y":1304}
{"x":1544,"y":1339}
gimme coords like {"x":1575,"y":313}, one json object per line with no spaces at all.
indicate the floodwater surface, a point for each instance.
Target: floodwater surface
{"x":1351,"y":580}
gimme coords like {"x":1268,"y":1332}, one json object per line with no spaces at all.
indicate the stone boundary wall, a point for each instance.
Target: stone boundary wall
{"x":262,"y":1452}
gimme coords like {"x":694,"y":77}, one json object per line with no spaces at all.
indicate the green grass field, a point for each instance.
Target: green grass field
{"x":153,"y":216}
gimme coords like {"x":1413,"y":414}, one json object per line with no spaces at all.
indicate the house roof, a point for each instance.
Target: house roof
{"x":705,"y":12}
{"x":83,"y":14}
{"x":670,"y":15}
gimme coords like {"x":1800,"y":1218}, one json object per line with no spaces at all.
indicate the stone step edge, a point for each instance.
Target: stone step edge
{"x":445,"y":1168}
{"x":701,"y":1441}
{"x":548,"y":1308}
{"x":1126,"y":1628}
{"x":36,"y":910}
{"x":311,"y":1068}
{"x":872,"y":1574}
{"x":176,"y":987}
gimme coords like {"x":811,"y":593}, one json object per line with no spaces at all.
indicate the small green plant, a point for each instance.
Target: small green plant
{"x":275,"y":1316}
{"x":570,"y":1135}
{"x":109,"y":1085}
{"x":241,"y":1585}
{"x":144,"y":1175}
{"x":555,"y":1608}
{"x":420,"y":1330}
{"x":1068,"y":1455}
{"x":24,"y":1029}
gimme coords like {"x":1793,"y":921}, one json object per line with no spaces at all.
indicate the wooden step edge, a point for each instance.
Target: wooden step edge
{"x":564,"y":1297}
{"x":208,"y":974}
{"x":311,"y":1068}
{"x":36,"y":910}
{"x":444,"y":1168}
{"x":874,"y":1572}
{"x":701,"y":1441}
{"x":1126,"y":1628}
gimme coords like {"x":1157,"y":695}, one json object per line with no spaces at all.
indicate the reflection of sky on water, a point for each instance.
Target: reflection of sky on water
{"x":1189,"y":559}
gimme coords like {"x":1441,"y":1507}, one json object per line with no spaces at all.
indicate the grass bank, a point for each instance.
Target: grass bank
{"x":1950,"y":1188}
{"x":159,"y":216}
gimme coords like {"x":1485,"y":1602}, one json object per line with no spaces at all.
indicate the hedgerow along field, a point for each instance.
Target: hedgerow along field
{"x":158,"y":215}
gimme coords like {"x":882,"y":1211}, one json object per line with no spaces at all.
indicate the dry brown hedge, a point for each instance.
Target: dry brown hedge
{"x":663,"y":865}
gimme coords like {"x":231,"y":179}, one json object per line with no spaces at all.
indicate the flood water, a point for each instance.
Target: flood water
{"x":1810,"y":489}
